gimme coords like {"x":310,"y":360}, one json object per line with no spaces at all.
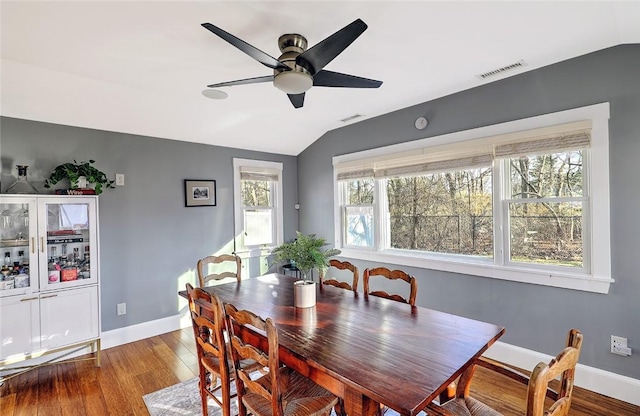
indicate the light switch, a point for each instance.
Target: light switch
{"x":119,"y":179}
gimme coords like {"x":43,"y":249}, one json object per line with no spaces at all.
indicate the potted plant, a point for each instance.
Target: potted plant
{"x":75,"y":172}
{"x":307,"y":252}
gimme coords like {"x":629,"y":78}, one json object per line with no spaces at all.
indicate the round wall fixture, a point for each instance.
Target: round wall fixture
{"x":421,"y":123}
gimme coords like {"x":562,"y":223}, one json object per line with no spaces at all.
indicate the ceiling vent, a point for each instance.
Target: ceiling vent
{"x":508,"y":68}
{"x":353,"y":117}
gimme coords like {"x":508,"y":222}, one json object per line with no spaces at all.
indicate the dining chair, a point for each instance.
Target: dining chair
{"x":341,"y":265}
{"x":563,"y":365}
{"x":214,"y":356}
{"x":281,"y":391}
{"x":207,"y":317}
{"x":203,"y":268}
{"x":392,"y":275}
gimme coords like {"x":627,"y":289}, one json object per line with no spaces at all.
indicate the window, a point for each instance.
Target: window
{"x":526,"y":201}
{"x":447,"y":211}
{"x":258,"y":204}
{"x":545,"y":206}
{"x":358,"y":215}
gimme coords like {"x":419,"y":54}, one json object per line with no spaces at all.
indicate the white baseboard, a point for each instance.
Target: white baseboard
{"x":144,"y":330}
{"x":603,"y":382}
{"x":591,"y":378}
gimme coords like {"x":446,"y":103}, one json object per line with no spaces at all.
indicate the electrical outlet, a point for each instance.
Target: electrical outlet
{"x":122,"y":309}
{"x":119,"y":179}
{"x":619,"y":346}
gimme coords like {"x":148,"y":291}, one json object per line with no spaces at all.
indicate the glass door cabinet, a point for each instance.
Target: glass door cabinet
{"x":47,"y":244}
{"x":49,"y":284}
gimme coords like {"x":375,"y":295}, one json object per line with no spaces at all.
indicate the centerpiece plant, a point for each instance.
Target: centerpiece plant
{"x":306,"y":252}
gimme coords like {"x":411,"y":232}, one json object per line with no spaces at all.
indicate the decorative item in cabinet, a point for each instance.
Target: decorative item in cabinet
{"x":14,"y":242}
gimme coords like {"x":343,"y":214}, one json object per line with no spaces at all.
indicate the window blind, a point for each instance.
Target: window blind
{"x":354,"y":173}
{"x":557,"y":142}
{"x":471,"y":162}
{"x":468,"y":154}
{"x":253,"y":173}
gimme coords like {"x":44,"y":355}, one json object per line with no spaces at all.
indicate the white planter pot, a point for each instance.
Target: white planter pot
{"x":304,"y":294}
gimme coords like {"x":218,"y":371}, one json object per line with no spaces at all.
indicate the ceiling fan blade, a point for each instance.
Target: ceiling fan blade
{"x":336,"y":79}
{"x":315,"y":58}
{"x":264,"y":58}
{"x":256,"y":80}
{"x":296,"y":99}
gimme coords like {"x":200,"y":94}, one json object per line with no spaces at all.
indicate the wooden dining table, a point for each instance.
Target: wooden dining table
{"x":364,"y":349}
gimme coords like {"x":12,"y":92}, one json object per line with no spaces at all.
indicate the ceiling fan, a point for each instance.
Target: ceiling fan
{"x":299,"y":68}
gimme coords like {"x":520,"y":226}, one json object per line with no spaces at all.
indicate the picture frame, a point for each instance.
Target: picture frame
{"x":199,"y":193}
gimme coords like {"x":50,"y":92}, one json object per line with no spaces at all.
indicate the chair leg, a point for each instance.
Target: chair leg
{"x":226,"y":398}
{"x":202,"y":385}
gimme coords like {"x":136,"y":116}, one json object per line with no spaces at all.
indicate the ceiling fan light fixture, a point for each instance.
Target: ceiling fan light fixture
{"x":292,"y":82}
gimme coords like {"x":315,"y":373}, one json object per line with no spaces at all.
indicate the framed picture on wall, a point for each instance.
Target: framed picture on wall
{"x":199,"y":193}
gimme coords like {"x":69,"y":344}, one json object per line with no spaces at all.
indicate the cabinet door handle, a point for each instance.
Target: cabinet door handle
{"x":28,"y":299}
{"x":42,"y":244}
{"x":33,"y":245}
{"x":48,"y":296}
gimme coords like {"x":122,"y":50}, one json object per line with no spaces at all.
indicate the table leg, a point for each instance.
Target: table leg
{"x":356,"y":404}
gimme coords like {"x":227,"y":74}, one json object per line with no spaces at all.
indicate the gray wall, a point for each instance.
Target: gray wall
{"x":536,"y":317}
{"x":149,"y":241}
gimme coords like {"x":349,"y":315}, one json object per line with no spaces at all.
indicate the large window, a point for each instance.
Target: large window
{"x":545,"y":208}
{"x":443,"y":212}
{"x":517,"y":205}
{"x":258,"y":204}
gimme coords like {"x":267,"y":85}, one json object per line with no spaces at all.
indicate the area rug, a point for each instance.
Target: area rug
{"x":182,"y":399}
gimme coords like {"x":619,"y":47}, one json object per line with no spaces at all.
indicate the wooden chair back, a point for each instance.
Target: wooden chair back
{"x":203,"y":268}
{"x":392,"y":275}
{"x":563,"y":365}
{"x":208,"y":320}
{"x":281,"y":391}
{"x":245,"y":351}
{"x":342,"y":265}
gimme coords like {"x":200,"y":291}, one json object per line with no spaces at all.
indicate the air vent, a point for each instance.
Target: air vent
{"x":521,"y":63}
{"x":353,"y":117}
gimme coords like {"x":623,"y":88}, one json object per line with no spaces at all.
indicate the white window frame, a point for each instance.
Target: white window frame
{"x":598,"y":276}
{"x":278,"y":226}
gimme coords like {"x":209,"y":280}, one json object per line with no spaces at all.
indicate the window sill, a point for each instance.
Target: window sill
{"x":485,"y":269}
{"x":248,"y":252}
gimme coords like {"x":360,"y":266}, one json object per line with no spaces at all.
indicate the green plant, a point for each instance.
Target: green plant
{"x":307,"y":252}
{"x":73,"y":171}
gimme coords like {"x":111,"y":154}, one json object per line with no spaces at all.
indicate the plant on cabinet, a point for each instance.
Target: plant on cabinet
{"x":74,"y":172}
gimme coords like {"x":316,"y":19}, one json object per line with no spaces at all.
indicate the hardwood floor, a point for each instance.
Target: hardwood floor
{"x":132,"y":370}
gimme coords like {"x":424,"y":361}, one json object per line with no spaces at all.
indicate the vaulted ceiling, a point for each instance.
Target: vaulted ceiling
{"x":140,"y":67}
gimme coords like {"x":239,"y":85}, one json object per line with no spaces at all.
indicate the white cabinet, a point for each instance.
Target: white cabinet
{"x":49,"y":276}
{"x":81,"y":304}
{"x":19,"y":336}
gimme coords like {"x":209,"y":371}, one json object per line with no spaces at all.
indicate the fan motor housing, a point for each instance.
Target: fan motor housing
{"x":291,"y":45}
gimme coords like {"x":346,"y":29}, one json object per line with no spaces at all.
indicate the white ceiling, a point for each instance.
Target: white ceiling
{"x":140,"y":67}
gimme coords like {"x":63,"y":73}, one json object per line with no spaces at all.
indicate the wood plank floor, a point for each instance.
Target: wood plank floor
{"x":132,"y":370}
